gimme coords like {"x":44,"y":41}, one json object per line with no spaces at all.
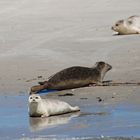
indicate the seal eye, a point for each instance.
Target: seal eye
{"x":130,"y":22}
{"x":117,"y":24}
{"x":36,"y":97}
{"x":31,"y":98}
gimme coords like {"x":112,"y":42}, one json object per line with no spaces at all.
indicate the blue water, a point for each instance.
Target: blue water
{"x":94,"y":121}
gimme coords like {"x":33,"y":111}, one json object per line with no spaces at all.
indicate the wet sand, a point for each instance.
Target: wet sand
{"x":39,"y":38}
{"x":95,"y":120}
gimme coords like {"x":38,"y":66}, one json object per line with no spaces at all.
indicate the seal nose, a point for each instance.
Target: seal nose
{"x":110,"y":67}
{"x":33,"y":100}
{"x":112,"y":28}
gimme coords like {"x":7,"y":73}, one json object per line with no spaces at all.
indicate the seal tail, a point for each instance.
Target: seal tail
{"x":75,"y":108}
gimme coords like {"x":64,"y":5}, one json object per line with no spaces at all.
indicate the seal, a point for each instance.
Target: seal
{"x":127,"y":26}
{"x":74,"y":77}
{"x":39,"y":107}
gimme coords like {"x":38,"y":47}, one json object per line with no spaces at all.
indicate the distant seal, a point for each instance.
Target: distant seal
{"x":39,"y":107}
{"x":128,"y":26}
{"x":74,"y":77}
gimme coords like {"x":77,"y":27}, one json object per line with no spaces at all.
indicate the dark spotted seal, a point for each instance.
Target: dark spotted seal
{"x":74,"y":77}
{"x":128,"y":26}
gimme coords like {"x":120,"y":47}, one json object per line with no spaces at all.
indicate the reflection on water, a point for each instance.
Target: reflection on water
{"x":37,"y":124}
{"x":94,"y":120}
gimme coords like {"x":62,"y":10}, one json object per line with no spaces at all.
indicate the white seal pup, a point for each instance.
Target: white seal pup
{"x":39,"y":107}
{"x":74,"y":77}
{"x":127,"y":26}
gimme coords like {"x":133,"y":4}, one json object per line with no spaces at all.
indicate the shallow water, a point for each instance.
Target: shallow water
{"x":100,"y":121}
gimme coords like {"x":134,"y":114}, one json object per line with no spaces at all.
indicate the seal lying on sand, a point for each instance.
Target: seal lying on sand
{"x":39,"y":107}
{"x":74,"y":77}
{"x":127,"y":26}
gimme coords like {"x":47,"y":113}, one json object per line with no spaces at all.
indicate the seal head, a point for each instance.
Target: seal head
{"x":103,"y":68}
{"x":34,"y":103}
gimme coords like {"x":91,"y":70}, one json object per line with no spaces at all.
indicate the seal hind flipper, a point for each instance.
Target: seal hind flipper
{"x":42,"y":83}
{"x":36,"y":88}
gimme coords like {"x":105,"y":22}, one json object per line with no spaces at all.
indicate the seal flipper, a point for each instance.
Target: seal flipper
{"x":42,"y":83}
{"x":75,"y":108}
{"x":35,"y":89}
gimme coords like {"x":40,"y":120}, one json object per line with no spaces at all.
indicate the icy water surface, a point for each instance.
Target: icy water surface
{"x":121,"y":120}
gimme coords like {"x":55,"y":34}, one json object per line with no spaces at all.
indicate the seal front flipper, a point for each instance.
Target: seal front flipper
{"x":96,"y":84}
{"x":99,"y":84}
{"x":45,"y":115}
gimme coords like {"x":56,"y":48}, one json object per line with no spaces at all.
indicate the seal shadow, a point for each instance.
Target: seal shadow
{"x":38,"y":124}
